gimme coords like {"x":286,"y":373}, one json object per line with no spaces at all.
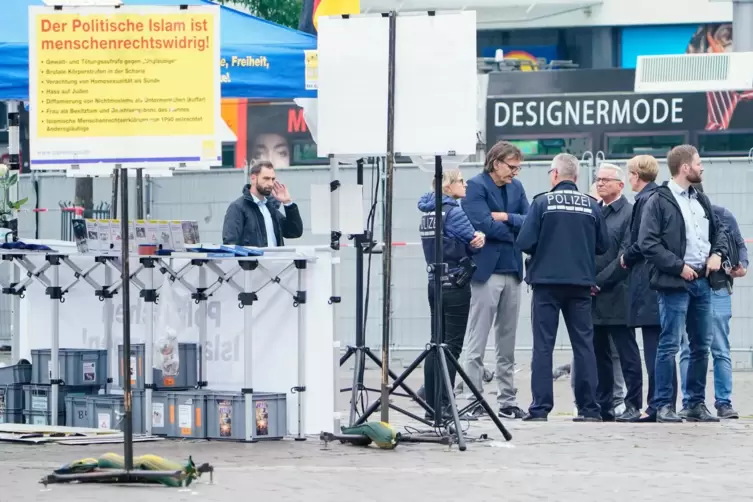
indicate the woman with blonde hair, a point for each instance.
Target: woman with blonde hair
{"x":459,"y":242}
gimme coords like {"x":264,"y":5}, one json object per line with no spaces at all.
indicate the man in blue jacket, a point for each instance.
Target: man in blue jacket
{"x":496,"y":204}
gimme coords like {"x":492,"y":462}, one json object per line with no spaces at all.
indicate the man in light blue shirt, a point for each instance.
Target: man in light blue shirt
{"x":257,"y":218}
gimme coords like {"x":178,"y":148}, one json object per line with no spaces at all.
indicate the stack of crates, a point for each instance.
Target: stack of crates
{"x":226,"y":416}
{"x":82,"y":371}
{"x":12,"y":380}
{"x":104,"y":411}
{"x":186,"y":377}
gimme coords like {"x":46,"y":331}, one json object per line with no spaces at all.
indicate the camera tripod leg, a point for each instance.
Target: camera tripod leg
{"x":479,"y":398}
{"x":348,"y":352}
{"x":408,"y":391}
{"x":397,"y":383}
{"x":357,"y":382}
{"x":441,"y":350}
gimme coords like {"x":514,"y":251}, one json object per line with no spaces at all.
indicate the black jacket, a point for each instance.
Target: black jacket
{"x":244,"y":223}
{"x":662,"y":238}
{"x":610,"y":303}
{"x":643,"y":303}
{"x":563,"y":233}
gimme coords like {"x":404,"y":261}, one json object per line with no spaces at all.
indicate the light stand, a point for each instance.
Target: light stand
{"x":364,"y":244}
{"x":126,"y":276}
{"x":438,"y":349}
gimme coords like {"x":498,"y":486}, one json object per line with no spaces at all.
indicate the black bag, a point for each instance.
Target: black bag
{"x":462,"y":277}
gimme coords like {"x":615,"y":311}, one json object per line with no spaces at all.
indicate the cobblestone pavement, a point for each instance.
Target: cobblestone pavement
{"x":558,"y":459}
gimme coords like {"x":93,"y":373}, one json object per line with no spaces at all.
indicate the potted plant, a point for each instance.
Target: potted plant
{"x":7,"y":207}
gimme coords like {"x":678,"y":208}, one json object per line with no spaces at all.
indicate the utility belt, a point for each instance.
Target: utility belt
{"x":461,"y":277}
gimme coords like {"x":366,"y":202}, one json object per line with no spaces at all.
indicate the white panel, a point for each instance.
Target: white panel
{"x":352,"y":220}
{"x":436,"y":84}
{"x":731,"y":71}
{"x":353,"y":57}
{"x":321,"y":210}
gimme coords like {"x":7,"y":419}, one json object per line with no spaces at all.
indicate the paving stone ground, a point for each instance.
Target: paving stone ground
{"x":559,"y":460}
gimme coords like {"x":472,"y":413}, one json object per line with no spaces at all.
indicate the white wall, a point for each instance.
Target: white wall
{"x":496,"y":14}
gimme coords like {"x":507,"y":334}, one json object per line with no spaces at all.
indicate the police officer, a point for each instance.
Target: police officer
{"x":563,"y":233}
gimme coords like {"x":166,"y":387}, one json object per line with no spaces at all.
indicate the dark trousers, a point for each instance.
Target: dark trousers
{"x":456,"y":303}
{"x":630,"y":361}
{"x":575,"y":304}
{"x":650,"y":345}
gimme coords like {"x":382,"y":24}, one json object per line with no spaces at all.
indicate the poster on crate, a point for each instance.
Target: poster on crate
{"x":275,"y":330}
{"x":225,"y":411}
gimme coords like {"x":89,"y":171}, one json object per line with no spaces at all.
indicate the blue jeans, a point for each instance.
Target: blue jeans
{"x":721,"y":309}
{"x":680,"y":312}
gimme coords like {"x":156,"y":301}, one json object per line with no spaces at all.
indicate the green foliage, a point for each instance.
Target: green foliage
{"x":7,"y":206}
{"x":284,"y":12}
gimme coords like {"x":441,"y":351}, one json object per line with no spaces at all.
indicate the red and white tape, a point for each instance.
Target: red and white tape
{"x":74,"y":209}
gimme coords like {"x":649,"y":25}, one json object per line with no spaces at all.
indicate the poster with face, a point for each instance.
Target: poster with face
{"x":278,"y":133}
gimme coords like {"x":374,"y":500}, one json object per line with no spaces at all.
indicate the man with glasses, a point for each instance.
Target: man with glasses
{"x":610,"y":303}
{"x":496,"y":204}
{"x":563,"y":233}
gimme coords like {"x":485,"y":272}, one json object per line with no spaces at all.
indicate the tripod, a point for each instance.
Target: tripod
{"x":365,"y":244}
{"x":437,"y":348}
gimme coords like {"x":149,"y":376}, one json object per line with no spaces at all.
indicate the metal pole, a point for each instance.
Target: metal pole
{"x":742,"y":20}
{"x":15,"y":341}
{"x":438,"y":275}
{"x":114,"y":204}
{"x":300,"y":303}
{"x":387,"y":253}
{"x":246,"y":303}
{"x":202,"y":325}
{"x":139,"y":194}
{"x":334,"y":170}
{"x":150,"y":297}
{"x":126,"y":277}
{"x":109,"y":315}
{"x":55,"y":350}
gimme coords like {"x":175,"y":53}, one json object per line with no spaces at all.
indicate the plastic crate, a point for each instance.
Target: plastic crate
{"x":78,"y":367}
{"x":226,"y":415}
{"x":108,"y":412}
{"x":17,"y":374}
{"x":185,"y":378}
{"x":38,"y":398}
{"x":77,"y":411}
{"x":179,"y":414}
{"x":11,"y":404}
{"x":42,"y":418}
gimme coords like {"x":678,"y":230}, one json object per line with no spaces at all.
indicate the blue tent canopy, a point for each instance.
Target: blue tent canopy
{"x":242,"y":35}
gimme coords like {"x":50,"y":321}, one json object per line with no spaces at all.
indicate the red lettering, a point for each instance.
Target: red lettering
{"x":296,"y":122}
{"x":48,"y":25}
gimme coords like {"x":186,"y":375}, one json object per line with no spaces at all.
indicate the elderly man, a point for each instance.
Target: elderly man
{"x":610,"y":303}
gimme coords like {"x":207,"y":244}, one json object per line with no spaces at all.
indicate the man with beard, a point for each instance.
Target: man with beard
{"x":683,"y":242}
{"x":257,"y":218}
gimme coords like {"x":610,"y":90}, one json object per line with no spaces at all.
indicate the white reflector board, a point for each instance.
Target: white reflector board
{"x":729,"y":71}
{"x":435,"y":84}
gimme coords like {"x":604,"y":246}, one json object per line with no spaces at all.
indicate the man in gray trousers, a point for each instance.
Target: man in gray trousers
{"x":496,"y":204}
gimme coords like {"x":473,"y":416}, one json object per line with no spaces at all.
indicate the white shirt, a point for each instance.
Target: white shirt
{"x":697,"y":226}
{"x":268,"y":223}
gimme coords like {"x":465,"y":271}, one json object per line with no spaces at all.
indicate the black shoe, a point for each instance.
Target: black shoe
{"x":511,"y":412}
{"x":533,"y":418}
{"x":699,"y":413}
{"x":683,"y":412}
{"x":667,"y":415}
{"x":629,"y":415}
{"x":608,"y":417}
{"x":726,"y":411}
{"x":582,"y":418}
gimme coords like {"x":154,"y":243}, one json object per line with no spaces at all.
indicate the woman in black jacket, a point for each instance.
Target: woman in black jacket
{"x":643,"y":303}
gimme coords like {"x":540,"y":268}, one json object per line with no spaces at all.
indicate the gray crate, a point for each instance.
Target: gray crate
{"x":77,"y":411}
{"x":108,"y":411}
{"x":226,"y":415}
{"x":78,"y":367}
{"x":38,"y":398}
{"x":42,"y":418}
{"x":180,"y":414}
{"x":11,"y":404}
{"x":187,"y":372}
{"x":18,"y":373}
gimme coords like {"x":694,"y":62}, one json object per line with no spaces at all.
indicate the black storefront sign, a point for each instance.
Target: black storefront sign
{"x":576,"y":114}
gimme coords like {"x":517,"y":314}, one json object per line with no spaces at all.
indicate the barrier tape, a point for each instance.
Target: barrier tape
{"x":74,"y":209}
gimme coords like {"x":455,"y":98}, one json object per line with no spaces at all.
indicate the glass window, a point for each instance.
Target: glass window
{"x":228,"y":155}
{"x":546,"y":148}
{"x":3,"y":116}
{"x":305,"y":153}
{"x":725,"y":143}
{"x":657,"y":144}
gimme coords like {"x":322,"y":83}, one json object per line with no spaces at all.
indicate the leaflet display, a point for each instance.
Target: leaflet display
{"x":132,"y":87}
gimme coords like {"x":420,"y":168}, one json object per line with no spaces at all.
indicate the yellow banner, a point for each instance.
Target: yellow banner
{"x":336,"y":8}
{"x":129,"y":74}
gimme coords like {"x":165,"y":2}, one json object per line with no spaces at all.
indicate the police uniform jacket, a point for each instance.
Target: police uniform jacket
{"x":563,"y":233}
{"x":610,"y":303}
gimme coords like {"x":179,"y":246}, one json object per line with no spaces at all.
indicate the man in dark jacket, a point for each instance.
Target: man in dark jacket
{"x":563,"y":233}
{"x":256,"y":218}
{"x":496,"y":204}
{"x":643,"y":302}
{"x":683,"y":241}
{"x":610,"y":302}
